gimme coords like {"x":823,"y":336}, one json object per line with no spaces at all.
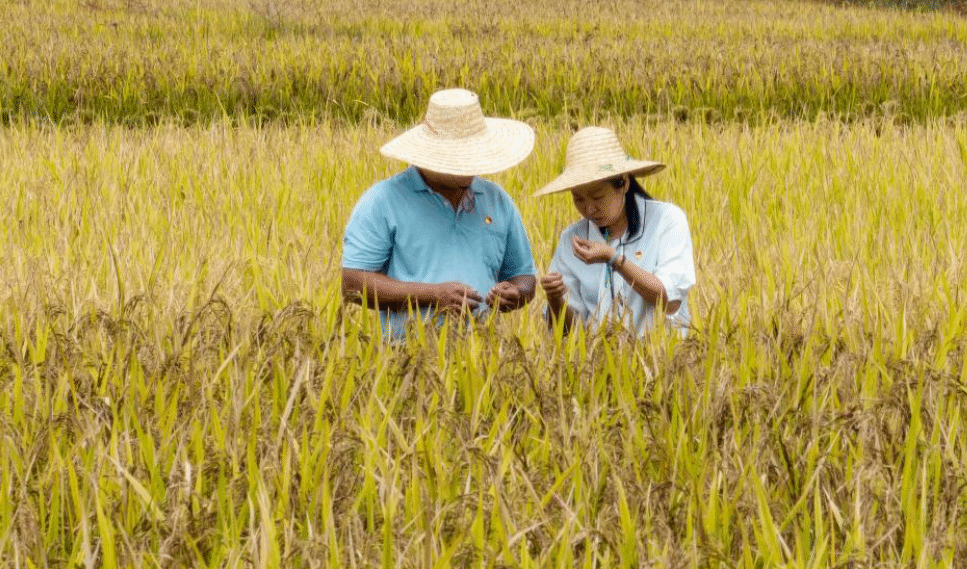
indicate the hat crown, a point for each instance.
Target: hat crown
{"x":454,"y":114}
{"x":594,"y":147}
{"x":456,"y":138}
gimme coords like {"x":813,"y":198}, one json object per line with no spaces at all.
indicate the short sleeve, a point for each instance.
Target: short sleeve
{"x":368,"y":241}
{"x":517,"y":254}
{"x":675,"y":268}
{"x":571,"y":281}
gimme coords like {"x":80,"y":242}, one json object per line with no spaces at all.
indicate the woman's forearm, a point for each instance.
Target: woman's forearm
{"x":557,"y":307}
{"x":647,"y":285}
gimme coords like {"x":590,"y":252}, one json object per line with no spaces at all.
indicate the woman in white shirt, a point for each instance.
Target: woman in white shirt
{"x":629,"y":257}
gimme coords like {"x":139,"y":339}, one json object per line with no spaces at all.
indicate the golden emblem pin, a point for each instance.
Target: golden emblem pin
{"x":488,"y":220}
{"x":637,"y":254}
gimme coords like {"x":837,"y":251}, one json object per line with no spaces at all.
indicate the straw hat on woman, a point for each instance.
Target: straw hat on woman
{"x":438,"y":236}
{"x":629,"y":257}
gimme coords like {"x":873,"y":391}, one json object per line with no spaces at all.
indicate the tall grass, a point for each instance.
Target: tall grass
{"x":181,"y":386}
{"x":142,"y":62}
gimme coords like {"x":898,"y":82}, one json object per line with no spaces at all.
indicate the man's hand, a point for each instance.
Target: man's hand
{"x":590,"y":252}
{"x":553,"y":285}
{"x":504,"y":296}
{"x":455,"y":296}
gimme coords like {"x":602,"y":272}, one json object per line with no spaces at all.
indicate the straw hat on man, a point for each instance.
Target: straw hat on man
{"x":436,"y":236}
{"x":629,"y":257}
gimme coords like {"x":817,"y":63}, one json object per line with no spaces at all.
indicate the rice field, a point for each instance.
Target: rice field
{"x":147,"y":61}
{"x":181,"y":384}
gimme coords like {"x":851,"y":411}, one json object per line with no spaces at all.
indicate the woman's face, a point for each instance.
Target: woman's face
{"x":603,"y":203}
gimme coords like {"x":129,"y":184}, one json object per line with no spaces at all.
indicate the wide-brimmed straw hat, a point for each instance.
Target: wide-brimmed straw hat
{"x":456,"y":138}
{"x":594,"y":154}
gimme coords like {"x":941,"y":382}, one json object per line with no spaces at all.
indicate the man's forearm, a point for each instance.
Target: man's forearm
{"x":381,"y":291}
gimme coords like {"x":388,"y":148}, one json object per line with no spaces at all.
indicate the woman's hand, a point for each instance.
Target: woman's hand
{"x":591,"y":252}
{"x":553,"y":285}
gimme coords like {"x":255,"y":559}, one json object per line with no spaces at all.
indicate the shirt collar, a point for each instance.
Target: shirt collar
{"x":418,"y":185}
{"x":595,"y":235}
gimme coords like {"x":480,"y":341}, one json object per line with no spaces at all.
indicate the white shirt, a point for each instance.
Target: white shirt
{"x":662,"y":247}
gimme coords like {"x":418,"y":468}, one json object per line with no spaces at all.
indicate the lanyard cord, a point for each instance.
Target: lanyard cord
{"x":609,"y":274}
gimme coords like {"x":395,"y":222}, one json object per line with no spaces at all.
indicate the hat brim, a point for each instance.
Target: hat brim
{"x":573,"y":178}
{"x":504,"y":143}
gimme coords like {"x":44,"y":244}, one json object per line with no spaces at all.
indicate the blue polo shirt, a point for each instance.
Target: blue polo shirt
{"x":406,"y":231}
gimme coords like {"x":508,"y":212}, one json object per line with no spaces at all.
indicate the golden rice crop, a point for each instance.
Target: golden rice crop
{"x":181,"y":385}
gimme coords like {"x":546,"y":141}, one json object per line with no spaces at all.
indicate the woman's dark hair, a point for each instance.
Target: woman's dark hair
{"x":631,"y":208}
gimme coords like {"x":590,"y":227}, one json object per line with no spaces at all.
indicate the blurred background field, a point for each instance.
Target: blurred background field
{"x":147,"y":61}
{"x":180,"y":384}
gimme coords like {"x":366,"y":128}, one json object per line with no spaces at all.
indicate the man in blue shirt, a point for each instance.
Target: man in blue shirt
{"x":436,"y":236}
